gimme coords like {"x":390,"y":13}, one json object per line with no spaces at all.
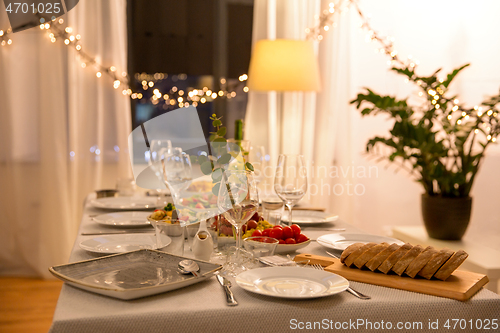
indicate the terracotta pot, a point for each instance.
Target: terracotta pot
{"x":446,"y":218}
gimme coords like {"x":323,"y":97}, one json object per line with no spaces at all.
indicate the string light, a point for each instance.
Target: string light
{"x":56,"y":31}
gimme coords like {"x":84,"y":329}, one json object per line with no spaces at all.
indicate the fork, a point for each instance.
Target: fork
{"x":349,"y":289}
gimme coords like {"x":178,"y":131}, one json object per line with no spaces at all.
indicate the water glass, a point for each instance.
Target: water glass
{"x":274,"y":217}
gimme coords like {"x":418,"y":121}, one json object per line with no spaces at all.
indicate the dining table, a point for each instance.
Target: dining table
{"x":202,"y":307}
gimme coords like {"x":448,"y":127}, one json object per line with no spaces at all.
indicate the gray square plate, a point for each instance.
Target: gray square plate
{"x":131,"y":275}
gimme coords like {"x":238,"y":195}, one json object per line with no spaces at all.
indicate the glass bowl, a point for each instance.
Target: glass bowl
{"x":260,"y":246}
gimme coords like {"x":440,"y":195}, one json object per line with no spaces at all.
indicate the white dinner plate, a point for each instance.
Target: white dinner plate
{"x":123,"y":219}
{"x":111,"y":244}
{"x":125,"y":203}
{"x":310,"y":217}
{"x":291,"y":282}
{"x":131,"y":275}
{"x":342,"y":240}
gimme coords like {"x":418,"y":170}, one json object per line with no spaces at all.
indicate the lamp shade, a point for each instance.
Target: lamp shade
{"x":283,"y":65}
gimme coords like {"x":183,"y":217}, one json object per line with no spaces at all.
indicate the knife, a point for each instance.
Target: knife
{"x":226,"y":284}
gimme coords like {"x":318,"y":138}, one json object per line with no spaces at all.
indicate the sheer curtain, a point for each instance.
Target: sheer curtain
{"x":313,"y":124}
{"x":63,"y":133}
{"x":331,"y":133}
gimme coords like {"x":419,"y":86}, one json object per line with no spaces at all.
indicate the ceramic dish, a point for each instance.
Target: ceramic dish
{"x":121,"y":243}
{"x":342,"y":240}
{"x":124,"y":203}
{"x":131,"y":275}
{"x":310,"y":217}
{"x":291,"y":282}
{"x":288,"y":248}
{"x":123,"y":219}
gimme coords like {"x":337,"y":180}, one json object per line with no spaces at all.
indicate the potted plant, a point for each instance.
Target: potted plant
{"x":439,"y":141}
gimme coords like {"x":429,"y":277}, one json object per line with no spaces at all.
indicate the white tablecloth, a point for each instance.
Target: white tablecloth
{"x":202,"y":307}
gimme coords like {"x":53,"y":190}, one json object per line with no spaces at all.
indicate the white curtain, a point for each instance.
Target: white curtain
{"x":311,"y":124}
{"x":63,"y":134}
{"x":331,"y":133}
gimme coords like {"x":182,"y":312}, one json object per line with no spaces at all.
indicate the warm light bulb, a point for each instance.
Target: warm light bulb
{"x":98,"y":74}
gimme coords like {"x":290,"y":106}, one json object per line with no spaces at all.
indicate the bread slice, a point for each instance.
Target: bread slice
{"x":353,"y":256}
{"x":420,"y":261}
{"x":403,"y":263}
{"x":451,"y":265}
{"x":368,"y":254}
{"x":388,"y":263}
{"x":374,"y":262}
{"x":350,"y":249}
{"x":435,"y":263}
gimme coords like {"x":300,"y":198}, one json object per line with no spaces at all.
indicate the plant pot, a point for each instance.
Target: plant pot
{"x":446,"y":218}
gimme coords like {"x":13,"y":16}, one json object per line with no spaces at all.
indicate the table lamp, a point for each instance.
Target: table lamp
{"x":282,"y":65}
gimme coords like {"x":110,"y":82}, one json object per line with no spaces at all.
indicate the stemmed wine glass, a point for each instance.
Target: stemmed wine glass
{"x":158,"y":149}
{"x":238,"y":201}
{"x":172,"y":166}
{"x":290,"y":181}
{"x":177,"y":172}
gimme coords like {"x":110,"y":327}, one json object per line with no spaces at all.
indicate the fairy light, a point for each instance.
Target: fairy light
{"x":489,"y":113}
{"x":98,"y":74}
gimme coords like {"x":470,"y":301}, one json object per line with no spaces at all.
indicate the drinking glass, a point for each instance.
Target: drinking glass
{"x":257,"y":156}
{"x":158,"y":150}
{"x":174,"y":169}
{"x":290,"y":181}
{"x":238,"y":201}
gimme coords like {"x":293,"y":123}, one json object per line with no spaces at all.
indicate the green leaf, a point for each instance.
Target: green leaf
{"x":202,"y":159}
{"x":206,"y":167}
{"x":452,"y":75}
{"x":215,"y":189}
{"x":224,"y":159}
{"x":216,"y":123}
{"x":217,"y":175}
{"x":249,"y":166}
{"x":221,"y":131}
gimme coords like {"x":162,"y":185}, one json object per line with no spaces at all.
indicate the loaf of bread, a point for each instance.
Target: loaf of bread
{"x":406,"y":259}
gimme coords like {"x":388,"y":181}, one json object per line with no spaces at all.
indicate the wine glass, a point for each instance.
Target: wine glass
{"x":238,"y":201}
{"x":257,"y":158}
{"x":177,"y":171}
{"x":290,"y":181}
{"x":171,"y":165}
{"x":158,"y":149}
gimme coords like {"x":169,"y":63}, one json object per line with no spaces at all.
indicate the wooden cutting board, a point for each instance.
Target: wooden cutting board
{"x":461,"y":285}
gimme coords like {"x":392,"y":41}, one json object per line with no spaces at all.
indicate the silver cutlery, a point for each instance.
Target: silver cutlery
{"x":226,"y":284}
{"x":349,"y":289}
{"x":189,"y":267}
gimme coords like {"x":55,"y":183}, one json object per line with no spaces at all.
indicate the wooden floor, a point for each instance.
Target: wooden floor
{"x":27,"y":305}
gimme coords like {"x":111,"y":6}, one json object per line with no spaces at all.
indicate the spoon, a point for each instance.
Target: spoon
{"x":189,"y":267}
